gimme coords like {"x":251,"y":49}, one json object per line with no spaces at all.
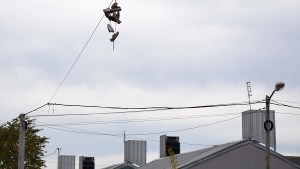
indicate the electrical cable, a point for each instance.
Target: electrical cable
{"x":137,"y":109}
{"x":80,"y":53}
{"x":281,"y":104}
{"x":136,"y":120}
{"x":191,"y":144}
{"x":137,"y":134}
{"x":36,"y":109}
{"x":104,"y":107}
{"x":50,"y":154}
{"x":152,"y":133}
{"x":286,"y":101}
{"x":295,"y":114}
{"x":285,"y":105}
{"x":184,"y":129}
{"x":87,"y":114}
{"x":78,"y":131}
{"x":72,"y":130}
{"x":156,"y":107}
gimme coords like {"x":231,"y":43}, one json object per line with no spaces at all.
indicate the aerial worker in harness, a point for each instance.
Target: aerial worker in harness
{"x":113,"y":14}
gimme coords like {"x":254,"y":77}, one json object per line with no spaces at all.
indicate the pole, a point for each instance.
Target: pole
{"x":58,"y":161}
{"x":22,"y":130}
{"x":268,"y":125}
{"x":268,"y":130}
{"x":267,"y":134}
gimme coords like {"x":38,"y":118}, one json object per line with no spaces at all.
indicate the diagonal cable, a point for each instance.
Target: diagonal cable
{"x":61,"y":83}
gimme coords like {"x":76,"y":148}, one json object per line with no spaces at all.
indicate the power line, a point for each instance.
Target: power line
{"x":136,"y":109}
{"x":184,"y":129}
{"x":72,"y":130}
{"x":50,"y":154}
{"x":36,"y":109}
{"x":87,"y":114}
{"x":104,"y":107}
{"x":80,"y":53}
{"x":285,"y":105}
{"x":286,"y":101}
{"x":79,"y":131}
{"x":152,"y":133}
{"x":139,"y":109}
{"x":295,"y":114}
{"x":136,"y":120}
{"x":156,"y":107}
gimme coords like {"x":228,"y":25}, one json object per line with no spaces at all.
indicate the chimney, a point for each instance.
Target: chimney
{"x":253,"y":126}
{"x":135,"y":152}
{"x":167,"y":142}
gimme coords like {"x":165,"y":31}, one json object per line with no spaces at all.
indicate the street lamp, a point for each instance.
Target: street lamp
{"x":268,"y":125}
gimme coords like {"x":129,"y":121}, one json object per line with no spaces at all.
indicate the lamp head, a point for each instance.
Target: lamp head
{"x":279,"y":86}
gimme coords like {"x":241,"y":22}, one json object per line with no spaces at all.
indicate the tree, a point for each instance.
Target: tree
{"x":9,"y":146}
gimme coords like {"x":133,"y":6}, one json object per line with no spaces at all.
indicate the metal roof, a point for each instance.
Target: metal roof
{"x":186,"y":159}
{"x":122,"y":165}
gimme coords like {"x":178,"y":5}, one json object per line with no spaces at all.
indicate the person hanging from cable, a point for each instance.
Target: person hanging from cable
{"x":113,"y":14}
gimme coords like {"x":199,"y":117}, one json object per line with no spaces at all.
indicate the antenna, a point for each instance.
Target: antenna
{"x":249,"y":93}
{"x":124,"y":137}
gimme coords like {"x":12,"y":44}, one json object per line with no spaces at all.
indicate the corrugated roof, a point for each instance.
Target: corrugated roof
{"x":121,"y":165}
{"x":187,"y":158}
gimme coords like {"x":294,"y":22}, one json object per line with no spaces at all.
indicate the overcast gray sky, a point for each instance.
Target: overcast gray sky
{"x":168,"y":53}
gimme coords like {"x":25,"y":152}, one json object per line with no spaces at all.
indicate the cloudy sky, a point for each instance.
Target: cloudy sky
{"x":168,"y":53}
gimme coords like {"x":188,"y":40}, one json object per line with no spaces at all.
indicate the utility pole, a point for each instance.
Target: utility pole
{"x":22,"y":130}
{"x":268,"y":124}
{"x":58,"y":154}
{"x":268,"y":127}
